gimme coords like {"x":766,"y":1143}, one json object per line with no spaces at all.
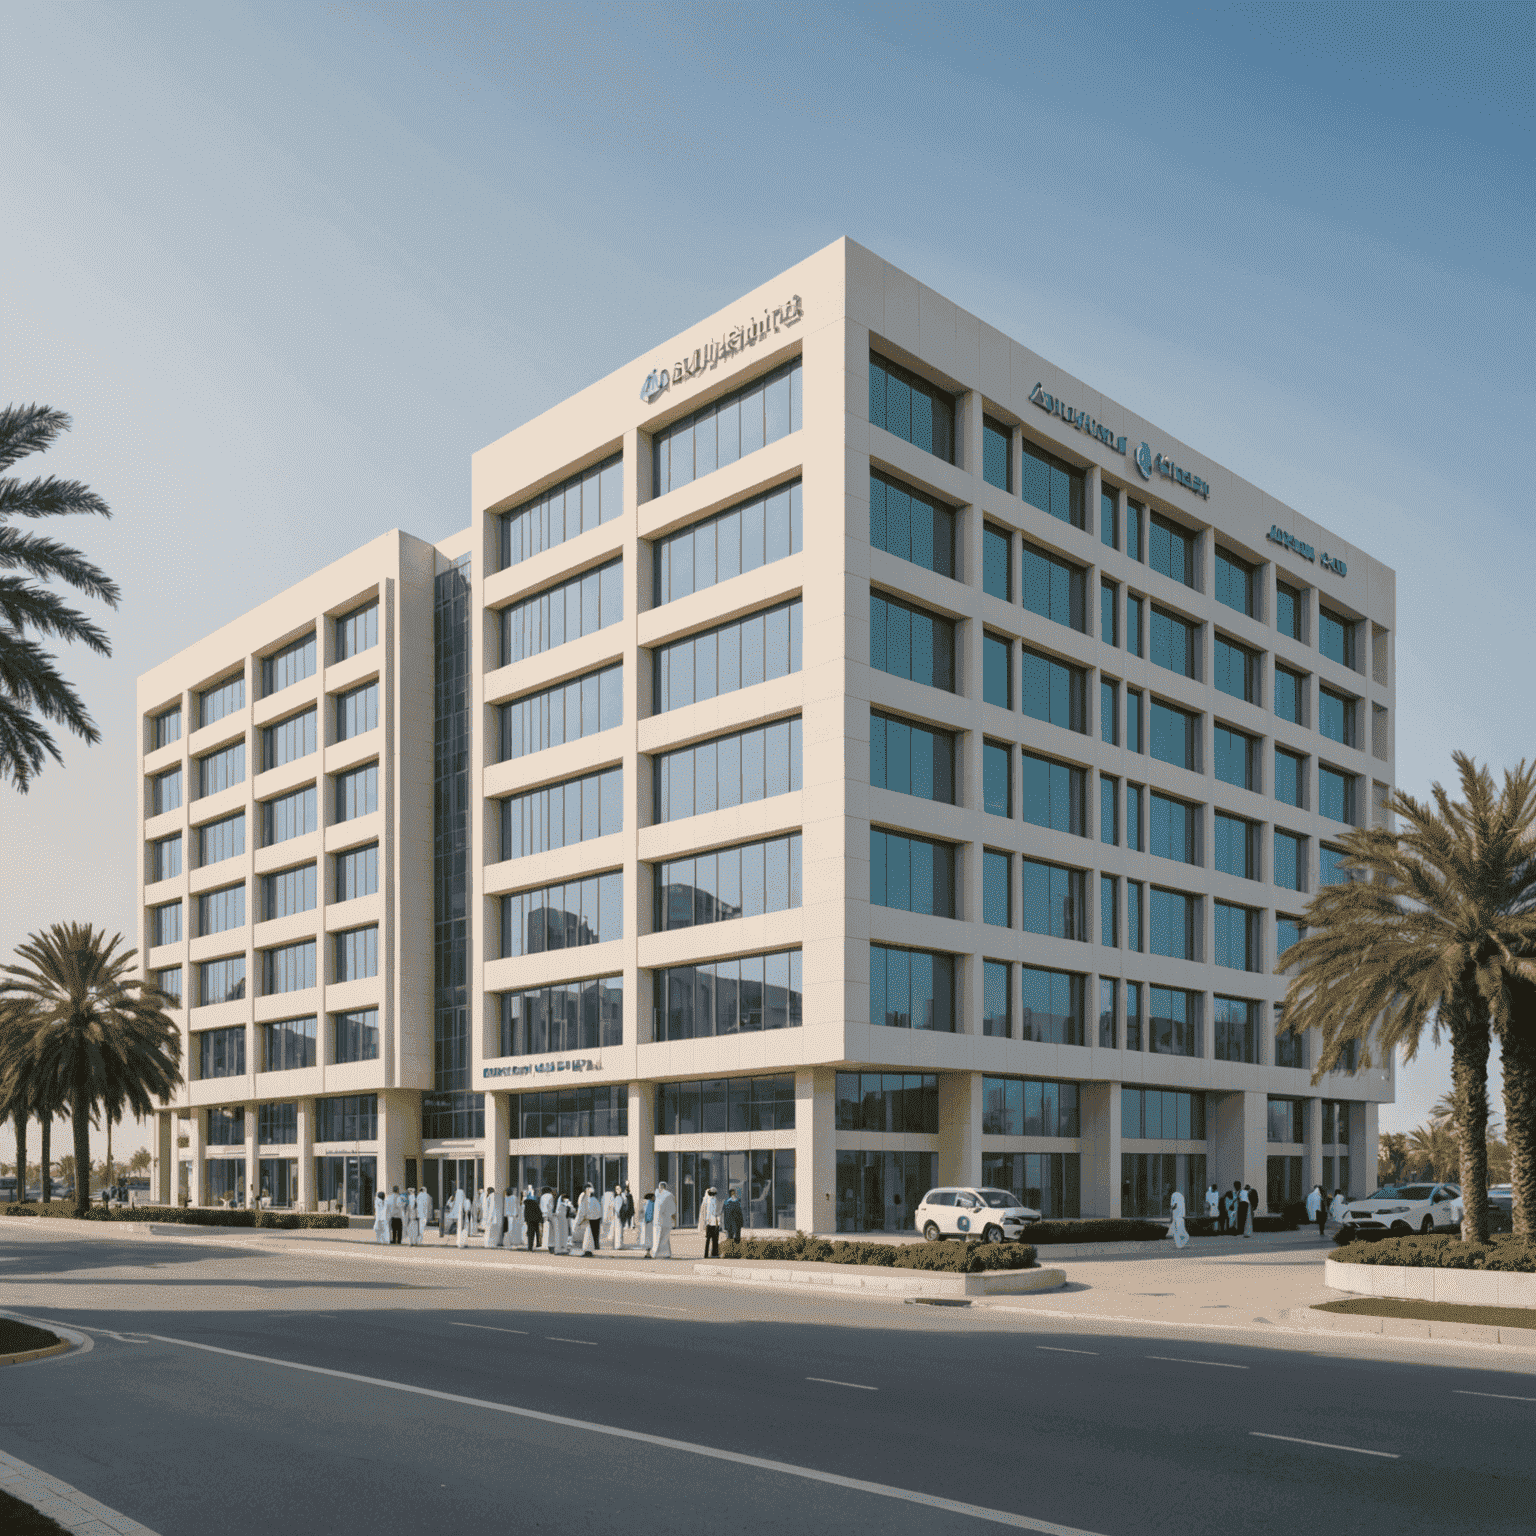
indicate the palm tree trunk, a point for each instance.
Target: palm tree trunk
{"x":1518,"y":1045}
{"x":47,"y":1124}
{"x":21,"y":1153}
{"x":82,"y":1118}
{"x":1469,"y":1075}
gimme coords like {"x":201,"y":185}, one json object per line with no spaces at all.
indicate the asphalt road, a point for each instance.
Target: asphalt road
{"x":230,"y":1391}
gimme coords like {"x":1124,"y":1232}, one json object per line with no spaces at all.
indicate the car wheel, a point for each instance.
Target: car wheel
{"x":1401,"y":1229}
{"x":1427,"y":1225}
{"x":932,"y":1233}
{"x":992,"y":1235}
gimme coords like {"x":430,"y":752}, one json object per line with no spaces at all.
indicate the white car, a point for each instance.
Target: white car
{"x":993,"y":1215}
{"x":1395,"y":1210}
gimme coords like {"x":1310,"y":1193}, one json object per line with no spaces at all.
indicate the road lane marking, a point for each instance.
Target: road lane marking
{"x":1180,"y":1360}
{"x":1503,"y":1397}
{"x":554,"y":1338}
{"x":1057,"y":1350}
{"x":828,"y":1381}
{"x":1326,"y":1445}
{"x":486,"y":1327}
{"x":688,"y":1447}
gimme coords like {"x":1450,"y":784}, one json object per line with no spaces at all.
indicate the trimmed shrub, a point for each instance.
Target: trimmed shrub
{"x":186,"y":1215}
{"x":290,"y":1221}
{"x":16,"y":1338}
{"x":956,"y":1258}
{"x":1512,"y":1255}
{"x":1098,"y":1229}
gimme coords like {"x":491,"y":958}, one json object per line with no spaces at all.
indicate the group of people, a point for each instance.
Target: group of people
{"x":1234,"y":1211}
{"x":545,"y":1220}
{"x":1320,"y":1211}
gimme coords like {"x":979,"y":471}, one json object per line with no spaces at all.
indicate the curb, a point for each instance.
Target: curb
{"x":1410,"y":1328}
{"x":24,"y":1355}
{"x":887,"y":1281}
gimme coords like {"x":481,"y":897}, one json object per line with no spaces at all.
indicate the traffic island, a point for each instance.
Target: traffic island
{"x":20,"y":1342}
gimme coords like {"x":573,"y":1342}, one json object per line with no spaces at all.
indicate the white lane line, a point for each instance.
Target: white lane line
{"x":554,"y":1338}
{"x":739,"y":1458}
{"x":1326,"y":1445}
{"x":856,"y":1385}
{"x":486,"y":1327}
{"x":1503,"y":1397}
{"x":1180,"y":1360}
{"x":1056,"y":1350}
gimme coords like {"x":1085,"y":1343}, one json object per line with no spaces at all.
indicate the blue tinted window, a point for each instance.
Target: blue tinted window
{"x":1109,"y":802}
{"x":1109,"y":928}
{"x":996,"y":780}
{"x":1175,"y":643}
{"x":741,"y":539}
{"x":912,"y":759}
{"x":1109,"y":517}
{"x":1133,"y":611}
{"x":1290,"y":861}
{"x":996,"y":882}
{"x":1237,"y":757}
{"x":1109,"y":628}
{"x":1053,"y":795}
{"x":727,"y":771}
{"x":1109,"y":711}
{"x":1135,"y":523}
{"x":911,"y":526}
{"x":1336,"y":717}
{"x":1054,"y":691}
{"x":1290,"y":777}
{"x":1237,"y":930}
{"x":593,"y":496}
{"x":1171,"y":550}
{"x":1235,"y":585}
{"x":911,"y":408}
{"x":1175,"y":736}
{"x":911,"y":874}
{"x":1053,"y":1006}
{"x":910,"y":642}
{"x":1175,"y":924}
{"x":1052,"y":485}
{"x":567,"y":712}
{"x":996,"y":440}
{"x":1175,"y":829}
{"x":997,"y":672}
{"x":911,"y":988}
{"x":754,"y":649}
{"x":997,"y":1000}
{"x":1288,"y":610}
{"x":1335,"y":794}
{"x":1054,"y":900}
{"x":1237,"y":671}
{"x":1133,"y":827}
{"x":996,"y":562}
{"x":1236,"y":847}
{"x":1336,"y":637}
{"x":1054,"y":588}
{"x":726,"y":430}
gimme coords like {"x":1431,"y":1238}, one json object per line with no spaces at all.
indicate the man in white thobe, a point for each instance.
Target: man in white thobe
{"x":611,"y":1218}
{"x":492,"y":1217}
{"x":409,"y":1218}
{"x":547,"y":1209}
{"x":1315,"y":1207}
{"x":666,"y":1215}
{"x":1212,"y":1202}
{"x":423,"y":1213}
{"x":562,"y":1220}
{"x":1178,"y":1231}
{"x":512,"y":1212}
{"x":462,"y":1209}
{"x":445,"y":1220}
{"x":587,"y":1211}
{"x":380,"y":1218}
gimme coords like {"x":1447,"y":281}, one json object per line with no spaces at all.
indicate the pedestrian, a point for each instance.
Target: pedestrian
{"x":1339,"y":1209}
{"x":396,"y":1209}
{"x":665,"y":1215}
{"x":547,"y":1217}
{"x":643,"y":1219}
{"x":1241,"y":1197}
{"x":380,"y":1217}
{"x":1228,"y":1212}
{"x":1177,"y":1230}
{"x":493,"y":1221}
{"x":709,"y":1220}
{"x":732,"y":1218}
{"x":512,"y":1219}
{"x":564,"y":1211}
{"x":1253,"y":1211}
{"x":1212,"y":1201}
{"x":627,"y":1209}
{"x":610,"y":1228}
{"x":423,"y":1213}
{"x":589,"y":1215}
{"x":445,"y":1216}
{"x":533,"y":1219}
{"x":1317,"y":1207}
{"x":461,"y":1225}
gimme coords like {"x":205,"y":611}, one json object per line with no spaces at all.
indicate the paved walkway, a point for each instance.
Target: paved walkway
{"x":75,"y":1511}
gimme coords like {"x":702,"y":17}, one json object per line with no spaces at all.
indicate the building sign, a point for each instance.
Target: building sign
{"x":732,"y":344}
{"x":1145,"y":460}
{"x":1278,"y":535}
{"x":571,"y":1064}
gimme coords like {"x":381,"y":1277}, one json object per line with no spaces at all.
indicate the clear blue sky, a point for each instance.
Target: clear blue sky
{"x":288,"y":266}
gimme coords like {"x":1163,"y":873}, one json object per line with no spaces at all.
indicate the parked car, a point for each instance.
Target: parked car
{"x":1503,"y":1196}
{"x":993,"y":1215}
{"x":1398,"y":1209}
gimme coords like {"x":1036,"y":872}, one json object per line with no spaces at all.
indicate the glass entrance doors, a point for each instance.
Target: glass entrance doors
{"x":348,"y":1181}
{"x":441,"y":1176}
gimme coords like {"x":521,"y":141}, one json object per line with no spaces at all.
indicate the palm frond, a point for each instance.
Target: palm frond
{"x":48,"y":496}
{"x":49,"y":559}
{"x":23,"y":605}
{"x":28,"y":429}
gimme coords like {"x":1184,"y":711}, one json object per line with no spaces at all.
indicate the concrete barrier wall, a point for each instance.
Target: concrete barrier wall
{"x":1463,"y":1287}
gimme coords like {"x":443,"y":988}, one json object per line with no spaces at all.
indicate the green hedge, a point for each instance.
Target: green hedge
{"x":17,"y":1338}
{"x":1516,"y":1255}
{"x":185,"y":1216}
{"x":960,"y":1258}
{"x":1097,"y":1229}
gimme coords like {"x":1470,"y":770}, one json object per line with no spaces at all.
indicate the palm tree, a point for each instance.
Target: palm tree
{"x":32,"y":689}
{"x":1427,"y":931}
{"x":1433,"y":1149}
{"x":93,"y":1036}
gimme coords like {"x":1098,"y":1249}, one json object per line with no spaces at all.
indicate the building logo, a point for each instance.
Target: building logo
{"x":1171,"y":471}
{"x":1075,"y":418}
{"x":1278,"y":535}
{"x":1144,"y":461}
{"x":575,"y":1064}
{"x":656,"y":383}
{"x":731,"y":345}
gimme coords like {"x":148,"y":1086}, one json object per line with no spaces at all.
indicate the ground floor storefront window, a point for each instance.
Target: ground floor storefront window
{"x":1336,"y":1175}
{"x":879,"y":1191}
{"x":224,"y":1178}
{"x":1282,"y":1182}
{"x":441,"y":1176}
{"x":349,"y":1182}
{"x":1148,"y":1178}
{"x":278,"y":1181}
{"x":1048,"y":1182}
{"x":568,"y":1173}
{"x":764,"y":1181}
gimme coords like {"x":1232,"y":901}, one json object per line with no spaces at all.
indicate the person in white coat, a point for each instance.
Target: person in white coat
{"x":563,"y":1213}
{"x":610,"y":1232}
{"x":493,"y":1217}
{"x":462,"y":1206}
{"x":380,"y":1218}
{"x":588,"y":1214}
{"x":709,"y":1223}
{"x":512,"y":1219}
{"x":1177,"y":1230}
{"x":1212,"y":1202}
{"x":408,"y":1217}
{"x":423,"y":1213}
{"x":666,"y":1215}
{"x":1317,"y":1207}
{"x":547,"y":1209}
{"x":1339,"y":1209}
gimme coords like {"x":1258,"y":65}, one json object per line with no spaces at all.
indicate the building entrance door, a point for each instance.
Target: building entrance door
{"x":444,"y":1175}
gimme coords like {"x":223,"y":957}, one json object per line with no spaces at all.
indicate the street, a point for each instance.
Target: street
{"x":241,"y":1391}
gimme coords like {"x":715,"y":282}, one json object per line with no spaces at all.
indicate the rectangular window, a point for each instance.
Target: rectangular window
{"x":1109,"y":613}
{"x":1288,"y":931}
{"x":165,"y":924}
{"x":1175,"y":924}
{"x":226,"y":1127}
{"x":1336,"y":637}
{"x":289,"y":816}
{"x":221,"y":770}
{"x":1109,"y":712}
{"x":165,"y":858}
{"x":1235,"y":584}
{"x":1335,"y":794}
{"x":1237,"y":846}
{"x":357,"y":711}
{"x":732,"y":543}
{"x":596,"y":1111}
{"x":910,"y":642}
{"x":1175,"y":736}
{"x":220,"y":840}
{"x":996,"y":888}
{"x":997,"y":562}
{"x":1330,"y":866}
{"x":354,"y":1117}
{"x":287,"y":1045}
{"x":1161,"y":1114}
{"x":567,"y":611}
{"x":165,"y":792}
{"x":997,"y":778}
{"x":1109,"y":912}
{"x":1134,"y":734}
{"x":1237,"y":1034}
{"x":745,"y":881}
{"x":356,"y":1034}
{"x":1237,"y":670}
{"x":277,"y":1125}
{"x":569,"y":711}
{"x":220,"y":911}
{"x":1290,"y":861}
{"x":1054,"y":486}
{"x":1285,"y":1120}
{"x":288,"y":740}
{"x":165,"y":728}
{"x":1175,"y":830}
{"x":1290,"y":695}
{"x":1109,"y":802}
{"x":292,"y":664}
{"x":1174,"y":1025}
{"x":1012,"y":1106}
{"x":1175,"y":643}
{"x":560,"y":815}
{"x":1135,"y":928}
{"x":1290,"y":778}
{"x":911,"y":988}
{"x":1290,"y":1048}
{"x":1133,"y":1016}
{"x":1054,"y":901}
{"x":909,"y":407}
{"x":1054,"y":795}
{"x":1134,"y":836}
{"x":357,"y":792}
{"x":728,"y":771}
{"x":357,"y":631}
{"x":729,"y":429}
{"x":997,"y":999}
{"x":754,"y":649}
{"x":1053,"y":1006}
{"x":582,"y":502}
{"x":356,"y":954}
{"x":1055,"y":691}
{"x":288,"y":891}
{"x":1237,"y":757}
{"x":1171,"y":550}
{"x":1133,"y":627}
{"x":221,"y":700}
{"x":1048,"y":1182}
{"x":889,"y":1103}
{"x":1135,"y":522}
{"x":1109,"y":516}
{"x":221,"y":1053}
{"x":911,"y":874}
{"x":996,"y":451}
{"x":1288,"y":610}
{"x":1336,"y":717}
{"x":729,"y":997}
{"x":1237,"y":937}
{"x":168,"y":981}
{"x":290,"y":968}
{"x":1054,"y":588}
{"x":906,"y":523}
{"x":996,"y":671}
{"x":1108,"y":987}
{"x":356,"y":873}
{"x":221,"y":981}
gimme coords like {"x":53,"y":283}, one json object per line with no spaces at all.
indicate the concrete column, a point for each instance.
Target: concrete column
{"x":640,"y":1144}
{"x":1016,"y":460}
{"x":816,"y":1149}
{"x":196,"y":1149}
{"x":498,"y":1131}
{"x":306,"y":1154}
{"x":960,"y":1104}
{"x":1363,"y":1141}
{"x":163,"y":1185}
{"x":252,"y":1155}
{"x":1099,"y":1108}
{"x":1236,"y":1139}
{"x":1312,"y":1129}
{"x":394,"y":1137}
{"x":1091,"y":491}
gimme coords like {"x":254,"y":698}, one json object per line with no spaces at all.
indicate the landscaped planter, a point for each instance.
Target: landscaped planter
{"x":882,"y":1280}
{"x":1468,"y":1287}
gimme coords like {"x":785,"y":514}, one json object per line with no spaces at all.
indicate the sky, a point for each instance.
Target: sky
{"x":289,"y":266}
